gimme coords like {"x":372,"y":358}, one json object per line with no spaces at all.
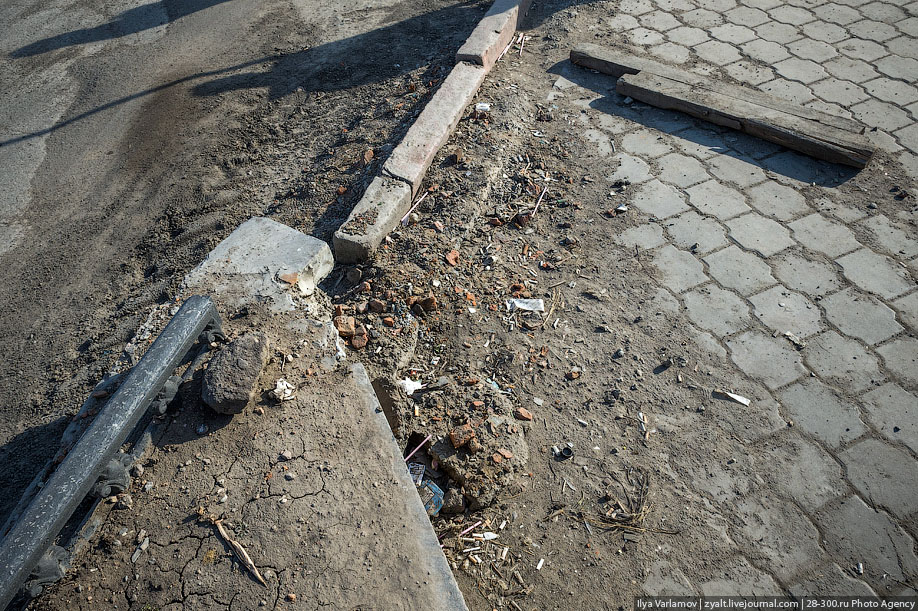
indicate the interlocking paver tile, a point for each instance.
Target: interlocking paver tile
{"x":645,"y":143}
{"x":880,"y":114}
{"x":777,"y":200}
{"x":778,"y":32}
{"x":623,"y":22}
{"x":783,"y":539}
{"x":644,"y":36}
{"x":660,"y":21}
{"x":813,"y":277}
{"x":681,"y":170}
{"x":826,"y":581}
{"x":789,"y":90}
{"x":836,"y":13}
{"x":824,"y":32}
{"x":793,"y":15}
{"x":873,"y":30}
{"x":875,"y":273}
{"x":904,"y":46}
{"x":720,"y":6}
{"x":901,"y":358}
{"x":748,"y":72}
{"x":908,"y":26}
{"x":717,"y":52}
{"x":894,"y":412}
{"x":898,"y":67}
{"x":739,"y":171}
{"x":819,"y":233}
{"x":814,"y":50}
{"x":866,"y":50}
{"x":718,"y":200}
{"x":907,"y":307}
{"x":659,"y":200}
{"x":765,"y":51}
{"x":635,"y":7}
{"x":647,"y":236}
{"x":747,"y":16}
{"x":700,"y":142}
{"x":701,"y":18}
{"x":820,"y":412}
{"x":803,"y":471}
{"x":736,"y":574}
{"x":884,"y":475}
{"x":802,"y":70}
{"x":717,"y":310}
{"x":883,"y":11}
{"x":760,"y":234}
{"x":671,"y":52}
{"x":766,"y":358}
{"x":795,"y":168}
{"x":691,"y":229}
{"x":784,"y":310}
{"x":842,"y":92}
{"x":732,"y":33}
{"x":739,"y":270}
{"x":679,"y":269}
{"x":845,"y":68}
{"x":854,"y":533}
{"x":909,"y":136}
{"x":847,"y":213}
{"x":630,"y":168}
{"x":688,"y":36}
{"x":861,"y":316}
{"x":842,"y":361}
{"x":891,"y":90}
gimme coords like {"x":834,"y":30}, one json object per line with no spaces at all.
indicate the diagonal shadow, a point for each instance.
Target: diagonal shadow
{"x":707,"y":136}
{"x":131,"y":21}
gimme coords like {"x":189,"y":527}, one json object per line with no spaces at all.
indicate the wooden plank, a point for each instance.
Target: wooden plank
{"x":807,"y":136}
{"x":618,"y":63}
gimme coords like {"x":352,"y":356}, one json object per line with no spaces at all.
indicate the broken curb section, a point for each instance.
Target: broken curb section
{"x":389,"y":196}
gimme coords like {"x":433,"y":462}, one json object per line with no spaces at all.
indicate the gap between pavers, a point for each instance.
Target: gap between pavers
{"x":388,"y":198}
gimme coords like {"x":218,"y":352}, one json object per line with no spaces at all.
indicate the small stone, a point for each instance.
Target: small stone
{"x":497,"y":458}
{"x":137,"y":470}
{"x":289,"y":476}
{"x":359,"y":342}
{"x":291,"y":597}
{"x":461,"y":435}
{"x":346,"y":325}
{"x":354,"y":275}
{"x":388,"y":321}
{"x":377,"y":306}
{"x":505,"y":453}
{"x":285,"y":455}
{"x":452,"y":257}
{"x":230,"y":379}
{"x":474,"y":446}
{"x":453,"y":502}
{"x":429,"y":303}
{"x":125,"y":502}
{"x":521,"y":413}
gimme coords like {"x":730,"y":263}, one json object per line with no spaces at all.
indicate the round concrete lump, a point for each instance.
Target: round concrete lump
{"x":230,"y":379}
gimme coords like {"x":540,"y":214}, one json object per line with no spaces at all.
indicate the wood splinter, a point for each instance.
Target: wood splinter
{"x":240,"y":553}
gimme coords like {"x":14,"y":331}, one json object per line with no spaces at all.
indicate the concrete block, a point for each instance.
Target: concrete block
{"x":433,"y":127}
{"x":493,"y":33}
{"x":263,"y":261}
{"x":377,"y":213}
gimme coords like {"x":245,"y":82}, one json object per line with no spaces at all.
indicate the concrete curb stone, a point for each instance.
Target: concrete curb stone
{"x":377,"y":213}
{"x":493,"y":33}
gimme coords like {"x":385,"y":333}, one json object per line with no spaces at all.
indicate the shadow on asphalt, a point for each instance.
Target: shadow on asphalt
{"x":714,"y":138}
{"x":131,"y":21}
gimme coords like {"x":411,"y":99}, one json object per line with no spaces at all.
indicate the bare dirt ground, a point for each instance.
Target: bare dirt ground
{"x":145,"y":170}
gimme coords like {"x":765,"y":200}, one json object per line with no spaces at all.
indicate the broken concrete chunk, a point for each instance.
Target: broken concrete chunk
{"x":230,"y":379}
{"x":461,"y":435}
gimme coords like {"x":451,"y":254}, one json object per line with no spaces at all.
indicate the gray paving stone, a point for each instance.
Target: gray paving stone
{"x":688,"y":36}
{"x":700,"y":142}
{"x":830,"y":581}
{"x":681,"y":170}
{"x":818,"y":411}
{"x":748,"y":72}
{"x":739,"y":270}
{"x":739,"y":171}
{"x":801,"y":470}
{"x":680,"y":270}
{"x":717,"y":310}
{"x":671,"y":52}
{"x":716,"y":52}
{"x":873,"y":30}
{"x":732,"y":33}
{"x":635,"y":7}
{"x":766,"y":358}
{"x":717,"y":199}
{"x":789,"y":90}
{"x":908,"y":136}
{"x":898,"y":67}
{"x":750,"y":147}
{"x":841,"y":92}
{"x":875,"y":113}
{"x":777,"y":536}
{"x":908,"y":26}
{"x":622,"y":22}
{"x":843,"y":212}
{"x":708,"y":343}
{"x":778,"y":201}
{"x":884,"y":475}
{"x":664,"y":301}
{"x":660,"y":21}
{"x":691,"y":229}
{"x":645,"y":143}
{"x":630,"y":168}
{"x":835,"y":13}
{"x":883,"y":11}
{"x":855,"y":70}
{"x":659,"y":200}
{"x":854,"y":533}
{"x":793,"y":15}
{"x":646,"y":236}
{"x":891,"y":90}
{"x":701,"y":18}
{"x":737,"y":575}
{"x":903,"y":46}
{"x":876,"y":274}
{"x":765,"y":51}
{"x":644,"y":36}
{"x":784,"y":310}
{"x":894,"y":412}
{"x":820,"y":234}
{"x":747,"y":16}
{"x":866,"y":50}
{"x":778,"y":32}
{"x":861,"y":316}
{"x":907,"y":307}
{"x":824,"y":32}
{"x":813,"y":50}
{"x":802,"y":70}
{"x":901,"y":358}
{"x":762,"y":235}
{"x":793,"y":169}
{"x":842,"y":362}
{"x":815,"y":278}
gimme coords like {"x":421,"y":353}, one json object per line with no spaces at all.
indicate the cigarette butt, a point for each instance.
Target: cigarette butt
{"x":539,"y":565}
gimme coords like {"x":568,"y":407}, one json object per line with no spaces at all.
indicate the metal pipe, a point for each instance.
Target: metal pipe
{"x":52,"y":507}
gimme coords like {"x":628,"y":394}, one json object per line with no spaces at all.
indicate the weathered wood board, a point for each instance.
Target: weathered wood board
{"x":815,"y":133}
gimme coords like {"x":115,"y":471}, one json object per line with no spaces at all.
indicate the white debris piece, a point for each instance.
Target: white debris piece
{"x":529,"y":305}
{"x":283,"y":390}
